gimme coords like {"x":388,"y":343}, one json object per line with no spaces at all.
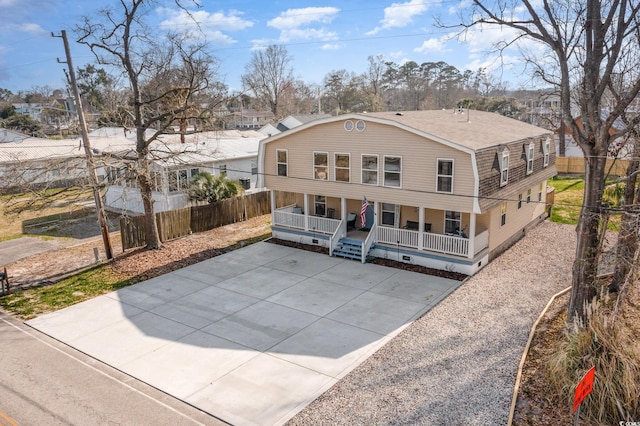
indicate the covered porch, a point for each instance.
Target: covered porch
{"x":406,"y":233}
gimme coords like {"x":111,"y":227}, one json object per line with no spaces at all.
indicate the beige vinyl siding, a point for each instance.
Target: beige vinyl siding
{"x":419,"y":162}
{"x":517,"y":219}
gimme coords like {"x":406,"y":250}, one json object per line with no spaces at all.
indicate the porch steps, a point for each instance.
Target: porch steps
{"x":349,"y":248}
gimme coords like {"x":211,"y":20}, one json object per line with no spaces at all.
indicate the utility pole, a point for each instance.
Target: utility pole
{"x":91,"y":166}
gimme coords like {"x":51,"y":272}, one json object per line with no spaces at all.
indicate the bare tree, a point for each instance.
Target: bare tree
{"x":165,"y":73}
{"x":585,"y":44}
{"x":269,"y":77}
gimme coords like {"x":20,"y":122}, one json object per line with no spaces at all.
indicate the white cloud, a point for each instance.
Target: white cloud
{"x":295,"y":18}
{"x":400,"y":15}
{"x":211,"y":24}
{"x":305,"y":24}
{"x":331,"y":46}
{"x":30,"y":28}
{"x":397,"y":54}
{"x":431,"y":45}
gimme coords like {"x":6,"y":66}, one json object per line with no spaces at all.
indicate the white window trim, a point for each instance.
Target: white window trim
{"x":362,"y":169}
{"x":399,"y":172}
{"x":336,"y":167}
{"x":530,"y":155}
{"x":452,"y":174}
{"x":314,"y":165}
{"x":286,"y":151}
{"x":504,"y":171}
{"x":547,"y":152}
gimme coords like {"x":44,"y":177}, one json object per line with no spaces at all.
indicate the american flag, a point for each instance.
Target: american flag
{"x":363,"y":211}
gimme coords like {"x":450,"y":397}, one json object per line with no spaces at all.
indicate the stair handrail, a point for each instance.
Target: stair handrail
{"x":368,"y":242}
{"x":340,"y":232}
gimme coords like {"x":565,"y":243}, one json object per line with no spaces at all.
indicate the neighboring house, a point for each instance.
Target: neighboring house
{"x":444,"y":190}
{"x":27,"y":161}
{"x":32,"y":110}
{"x":289,"y":122}
{"x":233,"y":153}
{"x":250,"y":119}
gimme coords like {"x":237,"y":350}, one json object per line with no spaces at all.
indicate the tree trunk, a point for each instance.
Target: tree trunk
{"x":585,"y":265}
{"x":146,"y":192}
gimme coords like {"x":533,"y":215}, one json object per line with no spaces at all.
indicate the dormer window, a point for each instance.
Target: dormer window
{"x":504,"y":168}
{"x":530,"y":152}
{"x":546,"y":151}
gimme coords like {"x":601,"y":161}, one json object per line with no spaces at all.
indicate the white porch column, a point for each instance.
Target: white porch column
{"x":420,"y":228}
{"x":343,"y":208}
{"x":272,"y":193}
{"x":306,"y":212}
{"x":472,"y":235}
{"x":375,"y":212}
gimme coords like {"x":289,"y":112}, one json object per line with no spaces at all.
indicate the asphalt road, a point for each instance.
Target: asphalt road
{"x":45,"y":382}
{"x":13,"y":250}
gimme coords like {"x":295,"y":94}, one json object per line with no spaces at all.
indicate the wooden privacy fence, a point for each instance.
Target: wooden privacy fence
{"x":575,"y":165}
{"x":178,"y":223}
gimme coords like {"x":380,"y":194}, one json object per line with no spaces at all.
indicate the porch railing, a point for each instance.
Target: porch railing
{"x":368,"y":242}
{"x":447,"y":244}
{"x":323,"y":225}
{"x":288,"y":219}
{"x":340,"y":232}
{"x":397,"y":236}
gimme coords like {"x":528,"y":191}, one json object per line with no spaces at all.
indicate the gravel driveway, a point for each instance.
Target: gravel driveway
{"x":457,"y":364}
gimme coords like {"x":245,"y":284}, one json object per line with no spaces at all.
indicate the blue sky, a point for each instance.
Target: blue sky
{"x":321,"y":36}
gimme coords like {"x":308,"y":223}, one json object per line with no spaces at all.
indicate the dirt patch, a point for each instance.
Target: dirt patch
{"x":47,"y":268}
{"x":535,"y":404}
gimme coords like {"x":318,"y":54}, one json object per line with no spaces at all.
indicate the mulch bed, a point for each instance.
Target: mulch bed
{"x":378,"y":261}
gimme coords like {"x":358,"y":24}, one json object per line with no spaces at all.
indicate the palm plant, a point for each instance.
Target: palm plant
{"x":206,"y":187}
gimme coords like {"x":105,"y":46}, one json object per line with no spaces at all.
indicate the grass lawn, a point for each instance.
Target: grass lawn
{"x":569,"y":192}
{"x":16,"y":210}
{"x":77,"y":288}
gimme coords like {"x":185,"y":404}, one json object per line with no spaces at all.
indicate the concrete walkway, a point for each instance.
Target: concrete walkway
{"x":251,"y":336}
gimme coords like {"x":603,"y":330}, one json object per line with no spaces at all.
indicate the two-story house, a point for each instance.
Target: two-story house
{"x":443,"y":189}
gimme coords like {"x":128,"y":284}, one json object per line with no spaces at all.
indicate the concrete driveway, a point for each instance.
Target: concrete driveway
{"x":251,"y":336}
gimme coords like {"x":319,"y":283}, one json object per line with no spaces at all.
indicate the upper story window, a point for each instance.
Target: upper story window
{"x":530,"y":152}
{"x":342,"y":167}
{"x":547,"y":152}
{"x":540,"y":187}
{"x":504,"y":168}
{"x":528,"y":195}
{"x":444,"y":175}
{"x":392,"y":171}
{"x":370,"y":169}
{"x":503,"y":213}
{"x":282,"y":162}
{"x":321,"y":165}
{"x":519,"y":201}
{"x":254,"y":167}
{"x":223,"y":170}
